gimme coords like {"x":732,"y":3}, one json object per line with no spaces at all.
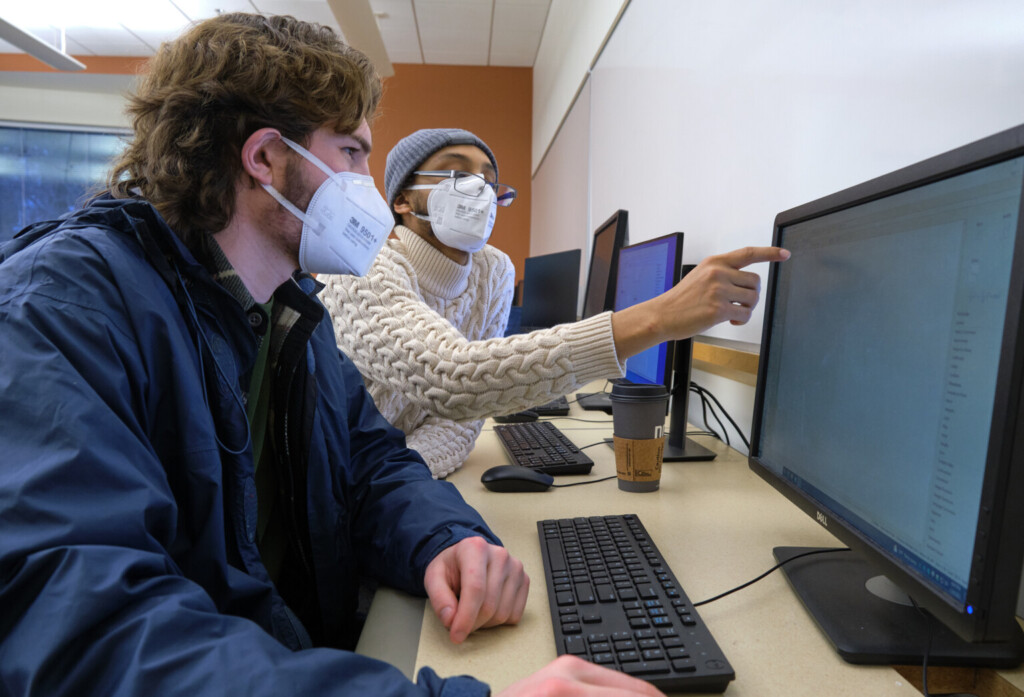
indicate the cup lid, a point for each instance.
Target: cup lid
{"x":634,"y":392}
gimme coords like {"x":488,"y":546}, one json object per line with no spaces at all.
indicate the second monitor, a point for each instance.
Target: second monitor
{"x":646,"y":270}
{"x":609,"y":238}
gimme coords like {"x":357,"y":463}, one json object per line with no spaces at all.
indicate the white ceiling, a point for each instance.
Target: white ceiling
{"x":453,"y":32}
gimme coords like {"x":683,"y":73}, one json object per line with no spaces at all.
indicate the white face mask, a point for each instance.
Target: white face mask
{"x":345,"y":224}
{"x":460,"y":220}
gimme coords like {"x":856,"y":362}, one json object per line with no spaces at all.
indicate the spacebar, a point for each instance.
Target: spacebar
{"x":555,"y":555}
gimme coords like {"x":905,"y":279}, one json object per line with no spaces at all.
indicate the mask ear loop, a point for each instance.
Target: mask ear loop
{"x":423,"y":187}
{"x":309,"y":156}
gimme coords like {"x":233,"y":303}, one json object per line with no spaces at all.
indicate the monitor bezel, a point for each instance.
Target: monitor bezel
{"x":620,"y":239}
{"x":999,"y":549}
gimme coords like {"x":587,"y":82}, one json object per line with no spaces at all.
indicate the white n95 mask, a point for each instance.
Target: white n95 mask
{"x":345,"y":224}
{"x":459,"y":219}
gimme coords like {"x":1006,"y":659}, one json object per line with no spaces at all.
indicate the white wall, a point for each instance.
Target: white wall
{"x":710,"y":118}
{"x":573,"y":36}
{"x":560,"y":210}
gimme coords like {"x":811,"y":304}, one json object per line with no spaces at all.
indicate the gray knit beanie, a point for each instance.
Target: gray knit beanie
{"x":413,"y":150}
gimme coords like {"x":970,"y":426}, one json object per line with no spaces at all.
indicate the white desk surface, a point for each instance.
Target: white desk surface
{"x":715,"y":523}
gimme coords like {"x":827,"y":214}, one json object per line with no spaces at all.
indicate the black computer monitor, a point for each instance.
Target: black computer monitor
{"x":889,"y":404}
{"x":646,"y":270}
{"x":609,"y":238}
{"x":551,"y":286}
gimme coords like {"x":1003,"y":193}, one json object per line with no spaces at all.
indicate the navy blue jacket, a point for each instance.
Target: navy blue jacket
{"x":127,"y":500}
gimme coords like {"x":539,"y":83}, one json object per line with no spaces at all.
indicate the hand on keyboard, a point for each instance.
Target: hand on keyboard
{"x":568,"y":675}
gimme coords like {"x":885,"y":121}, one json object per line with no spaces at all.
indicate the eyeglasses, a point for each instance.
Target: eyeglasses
{"x":472,"y":184}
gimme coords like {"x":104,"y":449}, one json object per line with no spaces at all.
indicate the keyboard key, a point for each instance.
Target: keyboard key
{"x":684,"y":665}
{"x":575,"y":645}
{"x":646,"y":668}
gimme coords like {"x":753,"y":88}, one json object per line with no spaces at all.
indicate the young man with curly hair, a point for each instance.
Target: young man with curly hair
{"x":426,"y":325}
{"x":193,"y":479}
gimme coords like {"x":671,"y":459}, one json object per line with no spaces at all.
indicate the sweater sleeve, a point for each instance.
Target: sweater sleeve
{"x":395,"y":339}
{"x":443,"y":443}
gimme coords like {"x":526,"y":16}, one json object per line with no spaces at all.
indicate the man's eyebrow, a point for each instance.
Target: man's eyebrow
{"x":363,"y":142}
{"x":465,"y":160}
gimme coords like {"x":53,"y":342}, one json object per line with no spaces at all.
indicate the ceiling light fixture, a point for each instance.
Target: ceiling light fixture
{"x":37,"y":48}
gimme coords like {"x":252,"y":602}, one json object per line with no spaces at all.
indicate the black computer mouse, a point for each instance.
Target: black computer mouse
{"x":520,"y":417}
{"x":516,"y":478}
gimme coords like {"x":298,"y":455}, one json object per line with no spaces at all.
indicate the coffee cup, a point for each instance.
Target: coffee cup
{"x":638,"y":429}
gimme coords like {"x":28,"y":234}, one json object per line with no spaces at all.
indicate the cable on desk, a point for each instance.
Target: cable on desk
{"x":704,"y":406}
{"x":769,"y":571}
{"x":591,"y":481}
{"x":930,"y":623}
{"x":576,"y":418}
{"x":704,"y":394}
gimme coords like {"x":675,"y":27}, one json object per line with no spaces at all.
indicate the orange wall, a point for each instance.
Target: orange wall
{"x":494,"y":103}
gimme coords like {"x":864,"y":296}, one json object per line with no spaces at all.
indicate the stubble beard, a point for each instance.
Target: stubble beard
{"x":286,"y":229}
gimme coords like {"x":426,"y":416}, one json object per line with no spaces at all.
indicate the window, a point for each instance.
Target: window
{"x":46,"y":172}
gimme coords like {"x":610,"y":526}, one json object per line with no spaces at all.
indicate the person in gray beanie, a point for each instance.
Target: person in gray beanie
{"x":426,"y":324}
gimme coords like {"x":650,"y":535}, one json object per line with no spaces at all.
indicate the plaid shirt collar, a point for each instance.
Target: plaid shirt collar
{"x":224,"y":273}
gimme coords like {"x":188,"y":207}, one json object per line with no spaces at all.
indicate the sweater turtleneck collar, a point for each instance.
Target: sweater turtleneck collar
{"x":436,"y":273}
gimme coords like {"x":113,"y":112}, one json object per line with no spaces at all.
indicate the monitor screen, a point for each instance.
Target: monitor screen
{"x":646,"y":270}
{"x":890,"y":372}
{"x":612,"y":236}
{"x":551,"y":286}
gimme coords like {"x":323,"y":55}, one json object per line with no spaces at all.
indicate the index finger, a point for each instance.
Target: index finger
{"x":472,"y":590}
{"x":738,"y":258}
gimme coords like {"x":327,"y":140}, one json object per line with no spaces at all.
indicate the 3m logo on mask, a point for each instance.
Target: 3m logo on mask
{"x":469,"y":213}
{"x":359,"y":233}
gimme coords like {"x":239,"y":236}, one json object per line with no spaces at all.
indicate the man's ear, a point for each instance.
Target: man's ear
{"x":263,"y":153}
{"x":402,"y":206}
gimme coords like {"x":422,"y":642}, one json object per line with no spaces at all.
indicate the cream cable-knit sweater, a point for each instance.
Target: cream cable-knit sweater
{"x":426,"y":333}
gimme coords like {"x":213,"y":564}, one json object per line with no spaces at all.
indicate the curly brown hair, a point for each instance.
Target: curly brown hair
{"x":207,"y":91}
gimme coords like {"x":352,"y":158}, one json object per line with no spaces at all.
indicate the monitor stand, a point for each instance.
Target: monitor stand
{"x":870,"y":621}
{"x":687,"y":451}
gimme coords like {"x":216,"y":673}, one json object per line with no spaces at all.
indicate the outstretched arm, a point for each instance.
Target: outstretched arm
{"x":396,"y":340}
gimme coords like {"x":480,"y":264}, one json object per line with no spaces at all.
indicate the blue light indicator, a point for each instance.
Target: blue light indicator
{"x":970,"y":609}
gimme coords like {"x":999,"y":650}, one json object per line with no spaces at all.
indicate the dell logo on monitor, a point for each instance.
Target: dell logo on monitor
{"x":821,"y":518}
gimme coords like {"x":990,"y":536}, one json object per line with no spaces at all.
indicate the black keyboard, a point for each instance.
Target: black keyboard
{"x":556,"y":407}
{"x":541,"y":446}
{"x":595,"y":401}
{"x":615,"y":602}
